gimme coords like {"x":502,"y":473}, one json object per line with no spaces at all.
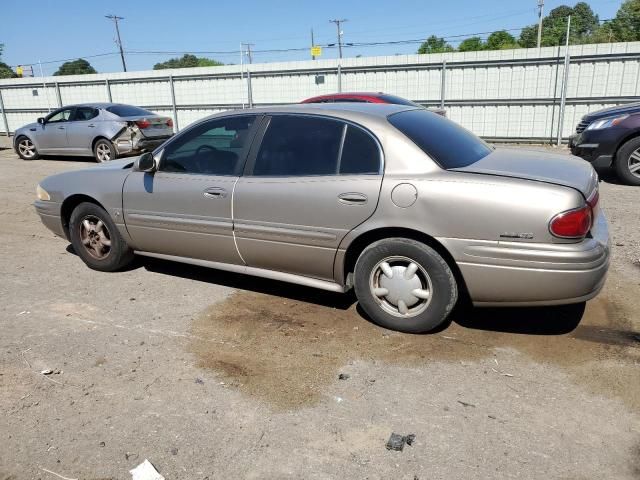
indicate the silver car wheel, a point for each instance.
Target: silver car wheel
{"x":401,"y":286}
{"x":26,"y":148}
{"x":634,"y":163}
{"x":103,"y":152}
{"x":95,"y":237}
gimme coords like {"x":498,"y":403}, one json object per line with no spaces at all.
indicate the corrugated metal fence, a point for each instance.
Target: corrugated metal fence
{"x":503,"y":95}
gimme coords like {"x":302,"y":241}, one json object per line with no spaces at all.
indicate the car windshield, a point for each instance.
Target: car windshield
{"x":127,"y":111}
{"x":446,"y":142}
{"x":399,"y":100}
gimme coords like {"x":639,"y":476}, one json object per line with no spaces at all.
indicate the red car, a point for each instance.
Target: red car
{"x":367,"y":97}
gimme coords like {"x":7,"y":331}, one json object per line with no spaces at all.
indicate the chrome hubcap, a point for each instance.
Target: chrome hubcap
{"x":95,"y":237}
{"x":103,"y":152}
{"x":401,"y":286}
{"x":634,"y":163}
{"x":26,"y":148}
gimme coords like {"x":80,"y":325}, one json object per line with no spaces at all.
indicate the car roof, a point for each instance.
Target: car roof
{"x":342,"y":110}
{"x":98,"y":105}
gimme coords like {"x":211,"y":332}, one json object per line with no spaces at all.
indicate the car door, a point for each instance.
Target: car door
{"x":51,"y":135}
{"x":184,"y":208}
{"x":81,"y":130}
{"x":311,"y":181}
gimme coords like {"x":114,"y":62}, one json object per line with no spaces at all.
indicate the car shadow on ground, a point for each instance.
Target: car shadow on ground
{"x":609,"y":175}
{"x":61,"y":158}
{"x":554,"y":320}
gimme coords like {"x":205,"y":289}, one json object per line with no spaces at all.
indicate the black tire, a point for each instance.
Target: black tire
{"x":624,"y":158}
{"x":117,"y":255}
{"x":433,"y":273}
{"x":104,"y":151}
{"x":24,"y":145}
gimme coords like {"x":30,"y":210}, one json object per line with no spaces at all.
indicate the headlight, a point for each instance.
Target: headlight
{"x":606,"y":122}
{"x":42,"y":194}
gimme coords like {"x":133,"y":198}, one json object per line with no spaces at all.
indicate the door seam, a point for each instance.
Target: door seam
{"x":233,"y":220}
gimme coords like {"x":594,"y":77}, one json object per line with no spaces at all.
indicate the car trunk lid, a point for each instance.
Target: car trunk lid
{"x":538,"y":166}
{"x":152,"y":125}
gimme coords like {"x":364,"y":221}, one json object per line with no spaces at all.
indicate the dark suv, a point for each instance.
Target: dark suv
{"x":611,"y":138}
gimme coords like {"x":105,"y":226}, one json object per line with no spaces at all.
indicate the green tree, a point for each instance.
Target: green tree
{"x":584,"y":27}
{"x":472,"y":44}
{"x":435,"y":44}
{"x":5,"y":70}
{"x":501,"y":40}
{"x":187,"y":61}
{"x":626,"y":24}
{"x":75,"y":67}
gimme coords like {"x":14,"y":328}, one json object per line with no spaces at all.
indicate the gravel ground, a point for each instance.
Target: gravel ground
{"x":213,"y":375}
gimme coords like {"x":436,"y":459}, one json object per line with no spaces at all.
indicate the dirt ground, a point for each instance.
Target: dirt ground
{"x":214,"y":375}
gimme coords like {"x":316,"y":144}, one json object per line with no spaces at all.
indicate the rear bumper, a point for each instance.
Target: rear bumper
{"x":126,"y":146}
{"x":49,"y":213}
{"x":522,"y":274}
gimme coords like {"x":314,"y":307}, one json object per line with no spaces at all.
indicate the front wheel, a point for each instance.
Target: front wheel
{"x":104,"y":151}
{"x":96,"y":239}
{"x":26,"y":149}
{"x":628,"y":162}
{"x":405,"y":285}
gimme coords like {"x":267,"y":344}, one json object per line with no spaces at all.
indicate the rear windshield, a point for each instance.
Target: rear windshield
{"x":446,"y":142}
{"x":398,"y":100}
{"x":128,"y":111}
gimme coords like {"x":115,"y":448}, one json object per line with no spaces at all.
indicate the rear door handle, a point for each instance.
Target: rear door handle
{"x":214,"y":192}
{"x":60,"y":128}
{"x":91,"y":126}
{"x":352,"y":198}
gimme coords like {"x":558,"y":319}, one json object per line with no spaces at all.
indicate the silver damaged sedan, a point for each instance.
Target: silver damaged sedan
{"x":102,"y":130}
{"x":403,"y":205}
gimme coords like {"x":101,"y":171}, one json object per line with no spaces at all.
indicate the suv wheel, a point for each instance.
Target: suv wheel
{"x":96,"y":239}
{"x":405,"y":285}
{"x":628,"y":162}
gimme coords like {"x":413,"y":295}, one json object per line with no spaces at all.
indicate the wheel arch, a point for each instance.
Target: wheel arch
{"x":68,"y":206}
{"x":621,"y":143}
{"x":357,"y":246}
{"x":95,"y":140}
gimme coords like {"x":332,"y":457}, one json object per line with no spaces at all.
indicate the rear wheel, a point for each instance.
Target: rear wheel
{"x":104,"y":151}
{"x":628,"y":162}
{"x":96,"y":239}
{"x":26,"y":149}
{"x":405,"y":285}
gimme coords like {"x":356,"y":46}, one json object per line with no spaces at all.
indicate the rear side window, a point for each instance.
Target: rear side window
{"x":85,"y":113}
{"x":299,"y":146}
{"x":127,"y":111}
{"x":360,"y":153}
{"x":446,"y":142}
{"x":306,"y":146}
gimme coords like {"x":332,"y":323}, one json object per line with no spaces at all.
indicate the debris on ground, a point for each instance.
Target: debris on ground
{"x":49,"y":371}
{"x":465,"y":404}
{"x":145,"y":471}
{"x":199,"y":381}
{"x":343,"y":376}
{"x":397,"y":442}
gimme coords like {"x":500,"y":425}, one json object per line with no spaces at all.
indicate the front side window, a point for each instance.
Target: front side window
{"x":85,"y":113}
{"x":309,"y":146}
{"x":216,"y":147}
{"x":446,"y":142}
{"x":60,"y":116}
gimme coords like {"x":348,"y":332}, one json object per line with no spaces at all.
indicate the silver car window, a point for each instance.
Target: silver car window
{"x":60,"y":116}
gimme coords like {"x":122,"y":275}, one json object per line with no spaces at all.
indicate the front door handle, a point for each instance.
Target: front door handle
{"x":214,"y":192}
{"x":91,"y":126}
{"x":352,"y":198}
{"x":60,"y":128}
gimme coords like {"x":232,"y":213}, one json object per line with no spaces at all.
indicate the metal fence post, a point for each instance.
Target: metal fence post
{"x":58,"y":96}
{"x":108,"y":87}
{"x":563,"y":98}
{"x":176,"y":126}
{"x":443,"y":83}
{"x":249,"y":89}
{"x":4,"y":116}
{"x":339,"y":78}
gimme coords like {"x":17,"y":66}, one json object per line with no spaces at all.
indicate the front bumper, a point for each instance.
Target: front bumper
{"x":596,"y":146}
{"x":49,"y":213}
{"x":525,"y":274}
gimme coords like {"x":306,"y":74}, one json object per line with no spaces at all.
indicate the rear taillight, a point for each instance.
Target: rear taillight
{"x":169,"y":123}
{"x":572,"y":223}
{"x":144,"y":123}
{"x":592,"y":201}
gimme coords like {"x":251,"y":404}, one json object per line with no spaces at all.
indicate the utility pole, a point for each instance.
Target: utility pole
{"x":338,"y":22}
{"x":115,"y":19}
{"x":249,"y":87}
{"x":540,"y":9}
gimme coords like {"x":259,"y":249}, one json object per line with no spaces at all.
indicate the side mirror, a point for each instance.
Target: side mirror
{"x":41,"y":121}
{"x":145,"y":163}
